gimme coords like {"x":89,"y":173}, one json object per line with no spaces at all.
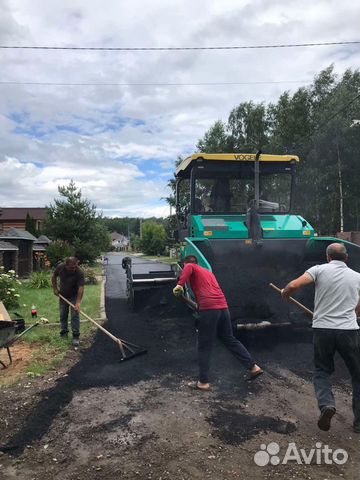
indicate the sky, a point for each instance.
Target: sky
{"x":119,"y":143}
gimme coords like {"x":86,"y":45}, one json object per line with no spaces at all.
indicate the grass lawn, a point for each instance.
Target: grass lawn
{"x":51,"y":349}
{"x":98,"y":267}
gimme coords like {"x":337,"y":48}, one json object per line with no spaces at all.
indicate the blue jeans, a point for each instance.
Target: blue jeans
{"x":75,"y":318}
{"x":326,"y":342}
{"x":210,"y":324}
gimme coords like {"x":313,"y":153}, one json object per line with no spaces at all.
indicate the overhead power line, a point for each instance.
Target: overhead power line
{"x":138,"y":49}
{"x":311,"y":135}
{"x":335,"y":114}
{"x":162,"y":84}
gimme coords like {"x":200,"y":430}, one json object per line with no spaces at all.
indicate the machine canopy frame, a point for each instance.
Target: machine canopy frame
{"x":218,"y":167}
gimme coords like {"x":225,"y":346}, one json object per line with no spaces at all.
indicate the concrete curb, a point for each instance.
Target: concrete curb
{"x":102,"y":300}
{"x":98,"y":320}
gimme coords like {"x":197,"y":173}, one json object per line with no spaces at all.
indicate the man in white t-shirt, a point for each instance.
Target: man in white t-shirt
{"x":335,"y":327}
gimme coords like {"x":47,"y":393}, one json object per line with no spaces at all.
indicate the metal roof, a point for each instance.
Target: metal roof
{"x":4,"y":246}
{"x":17,"y":234}
{"x":38,"y":247}
{"x":43,"y":239}
{"x":9,"y":213}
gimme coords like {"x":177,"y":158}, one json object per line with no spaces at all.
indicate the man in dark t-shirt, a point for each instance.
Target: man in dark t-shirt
{"x":72,"y":288}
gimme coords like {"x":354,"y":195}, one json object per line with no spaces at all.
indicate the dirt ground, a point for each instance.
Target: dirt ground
{"x":21,"y":358}
{"x":99,"y":418}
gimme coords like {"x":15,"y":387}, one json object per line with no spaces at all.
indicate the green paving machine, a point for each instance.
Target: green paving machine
{"x":235,"y":213}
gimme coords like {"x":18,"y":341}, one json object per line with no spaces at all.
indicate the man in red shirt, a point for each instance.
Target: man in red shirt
{"x":214,"y":318}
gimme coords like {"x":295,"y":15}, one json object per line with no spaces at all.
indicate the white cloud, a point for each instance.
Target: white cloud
{"x":116,"y":189}
{"x":109,"y":138}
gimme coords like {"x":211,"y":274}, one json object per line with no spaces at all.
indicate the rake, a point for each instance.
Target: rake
{"x":128,"y":350}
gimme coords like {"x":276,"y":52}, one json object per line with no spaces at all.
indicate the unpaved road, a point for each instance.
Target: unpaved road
{"x":138,"y":419}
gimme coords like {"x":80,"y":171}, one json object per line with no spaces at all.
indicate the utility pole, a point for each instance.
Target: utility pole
{"x":256,"y":180}
{"x":356,"y":123}
{"x":140,"y":228}
{"x":340,"y":187}
{"x":129,"y":238}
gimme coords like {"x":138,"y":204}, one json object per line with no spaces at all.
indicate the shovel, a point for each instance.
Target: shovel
{"x":308,"y":312}
{"x":193,"y":305}
{"x":128,"y":350}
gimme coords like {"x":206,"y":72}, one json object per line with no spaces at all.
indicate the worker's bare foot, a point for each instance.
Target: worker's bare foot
{"x":203,"y":386}
{"x":199,"y":386}
{"x":255,"y":372}
{"x":256,"y":369}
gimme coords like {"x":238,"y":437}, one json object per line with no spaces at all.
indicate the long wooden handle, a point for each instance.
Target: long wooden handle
{"x":292,"y":300}
{"x":100,"y":327}
{"x":193,"y":305}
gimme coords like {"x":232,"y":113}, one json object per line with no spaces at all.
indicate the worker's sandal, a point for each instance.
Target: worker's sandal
{"x":253,"y":376}
{"x":197,"y":386}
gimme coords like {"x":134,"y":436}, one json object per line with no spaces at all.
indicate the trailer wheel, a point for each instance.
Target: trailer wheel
{"x":126,"y":262}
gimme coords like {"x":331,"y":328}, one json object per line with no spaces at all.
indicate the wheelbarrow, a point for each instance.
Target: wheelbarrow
{"x":8,"y":337}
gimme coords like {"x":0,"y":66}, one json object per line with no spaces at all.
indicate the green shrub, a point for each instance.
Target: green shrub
{"x":153,"y":239}
{"x":89,"y":274}
{"x":58,"y":251}
{"x":9,"y":294}
{"x":85,"y":251}
{"x":40,"y":280}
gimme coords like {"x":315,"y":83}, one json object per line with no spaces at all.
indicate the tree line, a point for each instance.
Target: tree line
{"x":317,"y":124}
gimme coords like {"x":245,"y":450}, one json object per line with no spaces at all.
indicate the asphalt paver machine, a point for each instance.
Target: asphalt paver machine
{"x":235,"y":213}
